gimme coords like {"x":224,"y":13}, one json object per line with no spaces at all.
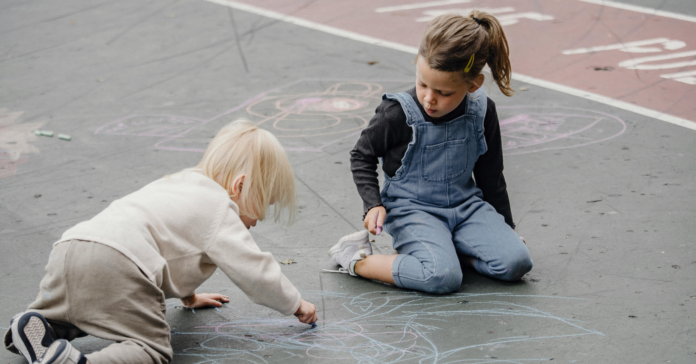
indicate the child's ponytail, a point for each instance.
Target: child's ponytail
{"x":454,"y":43}
{"x":499,"y":53}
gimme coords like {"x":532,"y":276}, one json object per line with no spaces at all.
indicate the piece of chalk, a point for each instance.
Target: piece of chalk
{"x":37,"y":132}
{"x":314,"y":325}
{"x":47,"y":133}
{"x":64,"y":137}
{"x":379,"y":230}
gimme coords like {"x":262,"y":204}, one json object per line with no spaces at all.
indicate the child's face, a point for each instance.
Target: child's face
{"x":440,"y":92}
{"x":248,"y":222}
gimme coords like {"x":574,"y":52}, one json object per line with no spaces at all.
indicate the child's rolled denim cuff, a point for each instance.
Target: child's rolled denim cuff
{"x":395,"y":270}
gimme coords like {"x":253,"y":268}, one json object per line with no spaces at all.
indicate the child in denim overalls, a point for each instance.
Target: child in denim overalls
{"x":430,"y":203}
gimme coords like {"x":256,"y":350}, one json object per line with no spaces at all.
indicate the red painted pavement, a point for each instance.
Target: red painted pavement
{"x":537,"y":42}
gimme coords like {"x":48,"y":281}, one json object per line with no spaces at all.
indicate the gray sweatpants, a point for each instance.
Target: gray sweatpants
{"x":92,"y":289}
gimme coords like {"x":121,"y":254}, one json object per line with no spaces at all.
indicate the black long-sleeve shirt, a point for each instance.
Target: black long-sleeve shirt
{"x":387,"y":136}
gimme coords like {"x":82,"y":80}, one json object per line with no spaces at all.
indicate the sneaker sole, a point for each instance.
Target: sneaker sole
{"x":62,"y":353}
{"x":29,"y":332}
{"x":54,"y":352}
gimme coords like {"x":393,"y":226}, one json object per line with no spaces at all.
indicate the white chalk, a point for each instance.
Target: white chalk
{"x":64,"y":137}
{"x":44,"y":133}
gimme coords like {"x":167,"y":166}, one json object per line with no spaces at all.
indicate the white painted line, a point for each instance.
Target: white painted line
{"x":688,"y":77}
{"x":642,"y":9}
{"x":680,"y":74}
{"x":316,"y":26}
{"x":420,"y":5}
{"x":432,"y":14}
{"x":606,"y":100}
{"x":636,"y":63}
{"x":621,"y":46}
{"x":414,"y":50}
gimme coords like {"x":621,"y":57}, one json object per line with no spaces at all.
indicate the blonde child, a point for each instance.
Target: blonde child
{"x":444,"y":196}
{"x":109,"y":276}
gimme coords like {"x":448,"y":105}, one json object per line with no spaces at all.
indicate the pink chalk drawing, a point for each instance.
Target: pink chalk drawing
{"x":307,"y":115}
{"x":533,"y":129}
{"x":15,"y":142}
{"x":310,"y":115}
{"x":391,"y":327}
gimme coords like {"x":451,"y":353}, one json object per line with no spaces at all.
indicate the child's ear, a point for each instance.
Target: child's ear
{"x":477,"y":83}
{"x":237,"y":185}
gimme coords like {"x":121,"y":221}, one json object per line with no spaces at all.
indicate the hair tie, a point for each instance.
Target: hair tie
{"x":477,"y":20}
{"x":470,"y":64}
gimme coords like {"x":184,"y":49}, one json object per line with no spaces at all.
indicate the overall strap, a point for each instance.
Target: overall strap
{"x":413,"y":114}
{"x":476,"y":105}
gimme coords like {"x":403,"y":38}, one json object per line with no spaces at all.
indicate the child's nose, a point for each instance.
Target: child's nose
{"x":429,"y":97}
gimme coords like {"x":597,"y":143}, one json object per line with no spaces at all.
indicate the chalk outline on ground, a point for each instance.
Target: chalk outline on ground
{"x":515,"y":76}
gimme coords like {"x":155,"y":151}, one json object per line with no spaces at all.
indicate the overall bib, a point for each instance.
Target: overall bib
{"x":435,"y":210}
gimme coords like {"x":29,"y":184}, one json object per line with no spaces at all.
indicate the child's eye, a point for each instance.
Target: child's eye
{"x":444,"y":94}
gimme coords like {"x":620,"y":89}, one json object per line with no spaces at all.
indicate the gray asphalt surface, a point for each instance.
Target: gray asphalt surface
{"x":607,"y":212}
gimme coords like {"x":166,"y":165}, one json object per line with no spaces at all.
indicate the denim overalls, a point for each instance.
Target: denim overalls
{"x":435,"y":210}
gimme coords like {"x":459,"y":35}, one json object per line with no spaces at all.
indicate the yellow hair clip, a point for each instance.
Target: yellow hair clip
{"x":470,"y":64}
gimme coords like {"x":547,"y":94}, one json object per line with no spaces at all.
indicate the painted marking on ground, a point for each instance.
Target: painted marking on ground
{"x":543,"y":31}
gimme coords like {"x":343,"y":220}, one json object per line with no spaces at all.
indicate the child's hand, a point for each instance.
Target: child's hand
{"x":204,"y":300}
{"x":374,"y":219}
{"x":307,"y":313}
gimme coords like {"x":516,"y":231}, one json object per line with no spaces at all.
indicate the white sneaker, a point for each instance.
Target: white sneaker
{"x":351,"y":248}
{"x":61,"y":352}
{"x":31,"y":335}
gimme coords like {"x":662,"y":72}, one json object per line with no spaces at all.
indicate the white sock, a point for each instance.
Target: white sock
{"x":352,"y":266}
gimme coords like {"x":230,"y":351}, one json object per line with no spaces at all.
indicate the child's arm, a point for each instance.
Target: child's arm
{"x":375,"y":141}
{"x":201,"y":300}
{"x":232,"y":248}
{"x":488,"y":170}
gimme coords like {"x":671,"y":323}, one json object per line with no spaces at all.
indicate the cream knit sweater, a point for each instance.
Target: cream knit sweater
{"x":178,"y":230}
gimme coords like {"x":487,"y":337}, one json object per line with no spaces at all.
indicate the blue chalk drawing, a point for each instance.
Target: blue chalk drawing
{"x":390,"y":327}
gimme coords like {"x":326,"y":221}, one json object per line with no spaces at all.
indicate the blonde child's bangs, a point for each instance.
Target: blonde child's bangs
{"x":241,"y":148}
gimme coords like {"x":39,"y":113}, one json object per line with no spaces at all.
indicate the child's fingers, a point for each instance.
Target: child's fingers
{"x":380,"y":218}
{"x":370,"y":223}
{"x":308,"y":319}
{"x":206,"y":302}
{"x":217,"y":296}
{"x":220,"y":297}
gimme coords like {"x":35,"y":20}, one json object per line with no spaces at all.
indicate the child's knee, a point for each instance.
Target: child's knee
{"x":444,"y":281}
{"x":516,"y":267}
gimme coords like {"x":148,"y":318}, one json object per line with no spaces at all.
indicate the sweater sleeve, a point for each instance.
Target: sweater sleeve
{"x":488,"y":170}
{"x":374,"y":142}
{"x":232,"y":248}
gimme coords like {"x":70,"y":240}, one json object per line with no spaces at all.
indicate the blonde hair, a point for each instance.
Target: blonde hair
{"x":241,"y":148}
{"x":450,"y":41}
